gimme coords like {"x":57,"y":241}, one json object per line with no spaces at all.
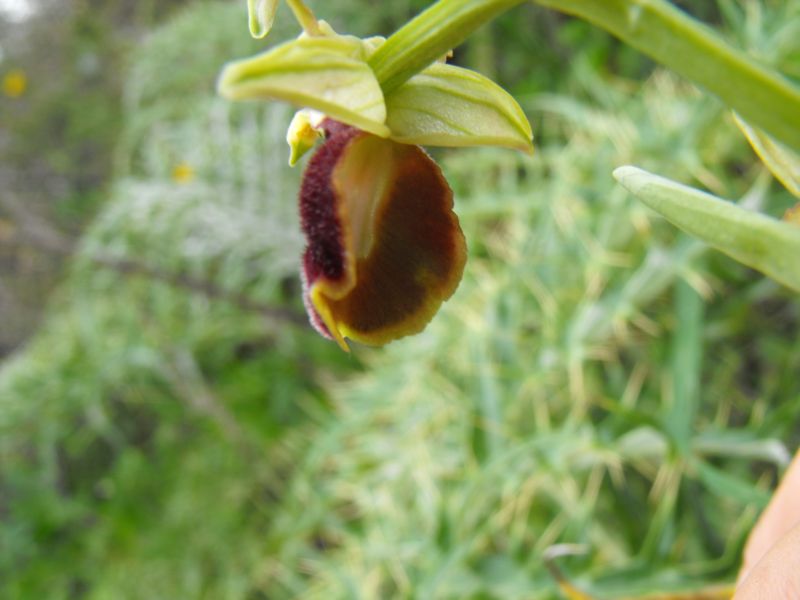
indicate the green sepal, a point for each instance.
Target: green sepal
{"x":328,"y":74}
{"x":260,"y":16}
{"x":446,"y":105}
{"x":782,"y":161}
{"x":766,"y":244}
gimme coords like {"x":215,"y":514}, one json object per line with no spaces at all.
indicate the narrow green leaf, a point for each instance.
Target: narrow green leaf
{"x":759,"y":241}
{"x":450,"y":106}
{"x":328,"y":74}
{"x":261,"y":15}
{"x":782,"y":162}
{"x":431,"y":35}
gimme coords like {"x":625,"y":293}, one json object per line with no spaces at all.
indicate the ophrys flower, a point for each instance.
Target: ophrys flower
{"x":384,"y":247}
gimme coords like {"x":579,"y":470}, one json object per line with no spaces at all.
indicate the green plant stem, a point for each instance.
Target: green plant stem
{"x":763,"y":97}
{"x":430,"y":36}
{"x":305,"y":17}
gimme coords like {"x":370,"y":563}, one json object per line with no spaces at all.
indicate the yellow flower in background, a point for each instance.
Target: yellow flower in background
{"x":15,"y":82}
{"x":182,"y":173}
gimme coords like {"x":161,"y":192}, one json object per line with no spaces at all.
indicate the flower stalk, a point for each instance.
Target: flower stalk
{"x":429,"y":36}
{"x":305,"y":17}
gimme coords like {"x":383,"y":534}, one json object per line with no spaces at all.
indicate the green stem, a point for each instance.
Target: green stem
{"x":305,"y":17}
{"x":430,"y":36}
{"x":762,"y":96}
{"x":655,"y":27}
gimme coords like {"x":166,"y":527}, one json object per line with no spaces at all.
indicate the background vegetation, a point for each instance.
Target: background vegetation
{"x":174,"y":429}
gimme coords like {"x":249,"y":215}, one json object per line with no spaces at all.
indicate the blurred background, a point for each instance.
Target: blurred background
{"x":171,"y":427}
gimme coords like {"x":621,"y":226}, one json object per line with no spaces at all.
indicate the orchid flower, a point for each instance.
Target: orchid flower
{"x":384,"y":247}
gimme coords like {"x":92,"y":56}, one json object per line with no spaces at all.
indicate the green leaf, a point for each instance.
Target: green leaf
{"x":759,"y":241}
{"x":328,"y":74}
{"x":261,"y":15}
{"x":450,"y":106}
{"x":782,"y":162}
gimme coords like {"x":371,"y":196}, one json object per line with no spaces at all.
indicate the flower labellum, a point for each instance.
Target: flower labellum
{"x":384,"y":247}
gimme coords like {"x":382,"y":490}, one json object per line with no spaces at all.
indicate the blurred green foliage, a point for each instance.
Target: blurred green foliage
{"x":59,"y":137}
{"x":176,"y":430}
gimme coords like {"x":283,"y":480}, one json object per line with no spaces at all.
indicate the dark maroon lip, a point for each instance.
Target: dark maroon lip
{"x":418,"y":254}
{"x":324,"y":255}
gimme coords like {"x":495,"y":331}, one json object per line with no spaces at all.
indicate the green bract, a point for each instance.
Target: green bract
{"x":443,"y":105}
